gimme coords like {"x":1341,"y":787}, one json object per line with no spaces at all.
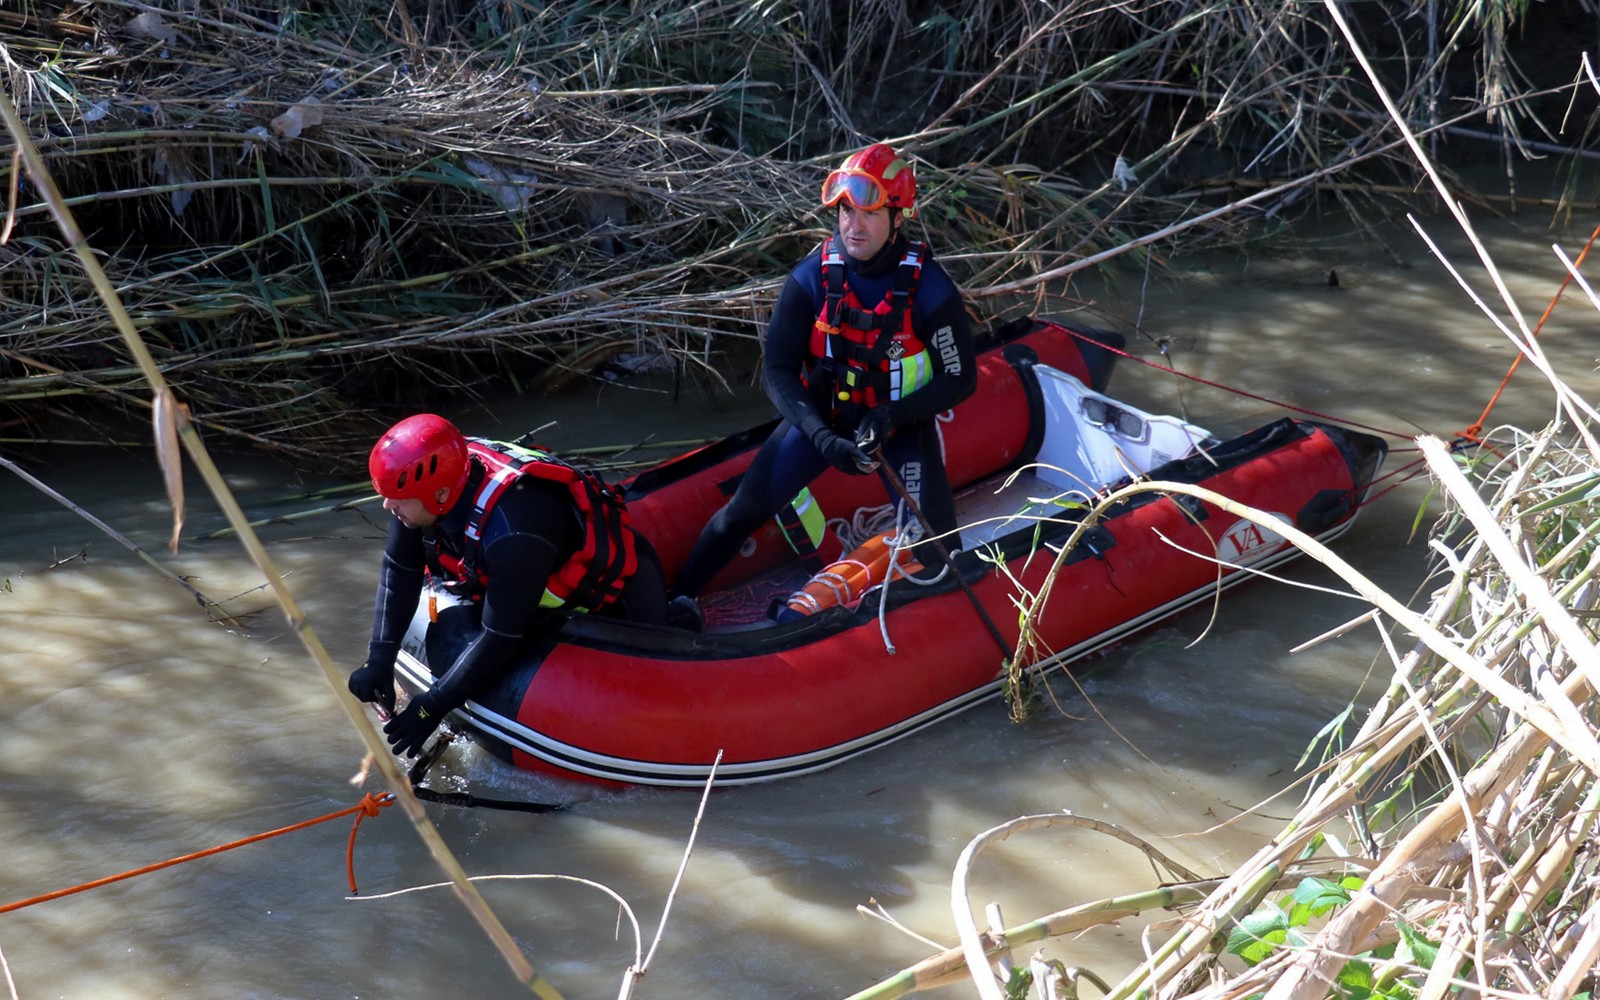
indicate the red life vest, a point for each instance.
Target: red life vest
{"x":862,"y":357}
{"x":592,"y":577}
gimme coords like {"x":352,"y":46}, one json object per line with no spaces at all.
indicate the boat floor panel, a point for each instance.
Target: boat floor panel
{"x":1001,"y":505}
{"x":986,"y":511}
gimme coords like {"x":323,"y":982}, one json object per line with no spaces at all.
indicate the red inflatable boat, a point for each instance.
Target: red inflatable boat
{"x":607,"y":700}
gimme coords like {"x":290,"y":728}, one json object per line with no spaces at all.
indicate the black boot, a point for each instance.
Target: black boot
{"x":684,"y":612}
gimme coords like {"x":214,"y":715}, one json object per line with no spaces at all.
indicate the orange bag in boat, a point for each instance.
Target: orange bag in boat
{"x":848,"y":580}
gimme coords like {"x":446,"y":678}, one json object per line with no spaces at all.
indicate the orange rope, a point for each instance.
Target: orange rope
{"x":369,"y":806}
{"x":1472,"y":433}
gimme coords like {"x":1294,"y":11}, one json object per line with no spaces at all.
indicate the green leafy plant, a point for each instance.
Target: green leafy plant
{"x":1274,"y":925}
{"x":1020,"y":983}
{"x":1278,"y":925}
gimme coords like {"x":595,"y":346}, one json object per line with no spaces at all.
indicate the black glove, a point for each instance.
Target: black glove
{"x":872,"y":432}
{"x":370,"y":682}
{"x":842,"y":453}
{"x":410,"y":729}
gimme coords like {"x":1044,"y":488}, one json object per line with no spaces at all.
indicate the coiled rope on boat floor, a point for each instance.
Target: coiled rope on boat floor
{"x":368,"y":806}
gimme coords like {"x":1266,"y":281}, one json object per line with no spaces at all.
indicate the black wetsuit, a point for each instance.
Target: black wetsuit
{"x":530,"y":532}
{"x":788,"y":461}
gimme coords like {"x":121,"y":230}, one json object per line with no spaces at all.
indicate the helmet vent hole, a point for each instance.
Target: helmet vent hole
{"x":433,"y":464}
{"x":401,"y":484}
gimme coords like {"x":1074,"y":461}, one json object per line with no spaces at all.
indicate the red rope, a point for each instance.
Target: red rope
{"x":1411,"y":470}
{"x":369,"y":806}
{"x":1238,"y":392}
{"x":1472,"y":433}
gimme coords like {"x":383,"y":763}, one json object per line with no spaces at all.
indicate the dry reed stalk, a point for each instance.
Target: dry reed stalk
{"x":1495,"y":869}
{"x":1488,"y":727}
{"x":177,"y":426}
{"x":489,"y":188}
{"x":1491,"y":886}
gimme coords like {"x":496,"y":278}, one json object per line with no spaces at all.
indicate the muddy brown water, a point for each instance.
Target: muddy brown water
{"x":132,"y":731}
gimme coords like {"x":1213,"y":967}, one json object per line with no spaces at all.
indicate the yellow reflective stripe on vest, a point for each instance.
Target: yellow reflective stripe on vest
{"x":909,"y":374}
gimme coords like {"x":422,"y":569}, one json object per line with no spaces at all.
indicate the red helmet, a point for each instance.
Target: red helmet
{"x":871,"y":179}
{"x":416,"y":458}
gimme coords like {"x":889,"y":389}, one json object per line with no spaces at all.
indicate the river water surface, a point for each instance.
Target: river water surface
{"x":132,"y":730}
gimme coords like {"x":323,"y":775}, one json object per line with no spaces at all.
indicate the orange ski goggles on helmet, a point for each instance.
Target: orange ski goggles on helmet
{"x":859,"y":189}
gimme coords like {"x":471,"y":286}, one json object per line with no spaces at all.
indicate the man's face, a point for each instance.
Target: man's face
{"x":410,"y":512}
{"x":864,"y":233}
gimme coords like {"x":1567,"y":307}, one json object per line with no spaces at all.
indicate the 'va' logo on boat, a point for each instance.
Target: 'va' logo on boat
{"x":1247,"y":541}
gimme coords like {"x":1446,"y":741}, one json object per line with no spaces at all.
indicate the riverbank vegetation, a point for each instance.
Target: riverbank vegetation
{"x":1445,"y":846}
{"x":319,"y":219}
{"x":1444,"y":843}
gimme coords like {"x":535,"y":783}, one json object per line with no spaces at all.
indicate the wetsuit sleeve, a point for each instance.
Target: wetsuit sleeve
{"x":399,"y":587}
{"x":786,"y":353}
{"x":531,"y":532}
{"x":947,"y":331}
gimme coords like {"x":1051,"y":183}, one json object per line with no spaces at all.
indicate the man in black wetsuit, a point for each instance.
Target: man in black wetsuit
{"x":868,"y":343}
{"x":512,"y":530}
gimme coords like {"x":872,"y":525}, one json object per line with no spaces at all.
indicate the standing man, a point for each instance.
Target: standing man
{"x":515,"y":532}
{"x":868,"y":343}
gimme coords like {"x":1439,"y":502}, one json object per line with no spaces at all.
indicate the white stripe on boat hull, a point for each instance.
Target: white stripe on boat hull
{"x":645,"y":772}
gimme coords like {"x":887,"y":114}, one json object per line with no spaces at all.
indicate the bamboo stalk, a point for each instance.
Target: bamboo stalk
{"x":950,"y":966}
{"x":1310,"y":972}
{"x":1174,"y":954}
{"x":196,"y":450}
{"x":973,"y":946}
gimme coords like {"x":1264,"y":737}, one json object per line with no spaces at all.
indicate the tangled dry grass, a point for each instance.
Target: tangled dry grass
{"x":1445,"y":848}
{"x":319,"y":217}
